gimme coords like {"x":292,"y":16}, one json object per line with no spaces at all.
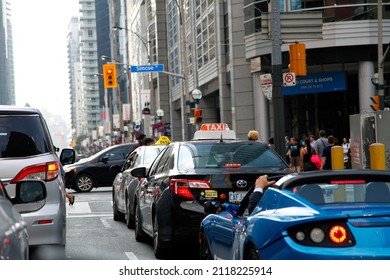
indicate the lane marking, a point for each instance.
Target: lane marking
{"x":105,"y":222}
{"x":131,"y":256}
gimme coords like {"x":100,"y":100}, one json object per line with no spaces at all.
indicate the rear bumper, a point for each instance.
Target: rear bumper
{"x":47,"y":225}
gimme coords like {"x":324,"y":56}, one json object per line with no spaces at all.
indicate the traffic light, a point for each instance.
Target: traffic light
{"x":109,"y":76}
{"x":297,"y":59}
{"x":376,"y":101}
{"x":198,"y":115}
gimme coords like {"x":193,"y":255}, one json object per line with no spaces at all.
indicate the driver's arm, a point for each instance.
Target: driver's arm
{"x":260,"y":185}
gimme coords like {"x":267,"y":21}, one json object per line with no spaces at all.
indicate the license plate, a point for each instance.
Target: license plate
{"x":211,"y":194}
{"x":236,"y":197}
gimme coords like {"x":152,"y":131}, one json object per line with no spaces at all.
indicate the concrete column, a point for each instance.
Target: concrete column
{"x":261,"y":113}
{"x":366,"y":88}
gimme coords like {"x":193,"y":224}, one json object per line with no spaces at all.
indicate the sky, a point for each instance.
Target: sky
{"x":40,"y":30}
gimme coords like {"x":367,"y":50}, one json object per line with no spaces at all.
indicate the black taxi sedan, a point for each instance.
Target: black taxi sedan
{"x":215,"y":166}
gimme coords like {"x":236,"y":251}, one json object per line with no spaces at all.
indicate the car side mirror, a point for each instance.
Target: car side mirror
{"x":104,"y":159}
{"x":68,"y":156}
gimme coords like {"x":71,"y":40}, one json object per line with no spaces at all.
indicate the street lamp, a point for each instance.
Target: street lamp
{"x":196,"y":94}
{"x":160,"y":113}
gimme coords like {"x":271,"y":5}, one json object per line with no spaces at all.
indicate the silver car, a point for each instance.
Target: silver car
{"x":124,"y":185}
{"x":27,"y":152}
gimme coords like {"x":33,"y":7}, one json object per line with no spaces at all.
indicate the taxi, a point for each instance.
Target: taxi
{"x":213,"y":166}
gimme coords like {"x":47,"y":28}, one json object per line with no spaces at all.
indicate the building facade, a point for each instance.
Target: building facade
{"x":7,"y":77}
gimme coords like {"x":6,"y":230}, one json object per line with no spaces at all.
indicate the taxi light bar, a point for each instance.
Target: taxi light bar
{"x":215,"y":131}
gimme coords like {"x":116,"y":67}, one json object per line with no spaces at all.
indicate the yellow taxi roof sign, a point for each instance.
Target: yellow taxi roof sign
{"x":163,"y":140}
{"x":215,"y":131}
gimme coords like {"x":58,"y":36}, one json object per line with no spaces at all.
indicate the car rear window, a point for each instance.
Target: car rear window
{"x":22,"y":136}
{"x":345,"y":191}
{"x":239,"y":155}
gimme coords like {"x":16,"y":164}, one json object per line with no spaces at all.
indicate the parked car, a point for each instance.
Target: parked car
{"x":94,"y":171}
{"x":14,"y":240}
{"x":123,"y":191}
{"x":214,"y":167}
{"x":341,"y":214}
{"x":27,"y":152}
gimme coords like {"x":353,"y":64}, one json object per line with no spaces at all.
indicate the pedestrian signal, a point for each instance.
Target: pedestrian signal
{"x":109,"y":76}
{"x":376,"y":105}
{"x":198,"y":115}
{"x":297,"y":59}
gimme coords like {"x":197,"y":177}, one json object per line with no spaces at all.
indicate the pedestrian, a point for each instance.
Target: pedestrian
{"x":287,"y":144}
{"x":140,"y":139}
{"x":346,"y":147}
{"x":321,"y":142}
{"x":148,"y":141}
{"x":293,"y":152}
{"x":305,"y":156}
{"x":271,"y":142}
{"x":253,"y":135}
{"x":70,"y":198}
{"x":312,"y":140}
{"x":327,"y":155}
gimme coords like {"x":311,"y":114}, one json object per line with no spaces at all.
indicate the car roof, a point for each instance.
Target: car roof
{"x":9,"y":109}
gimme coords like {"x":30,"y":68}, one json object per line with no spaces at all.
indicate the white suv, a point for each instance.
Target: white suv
{"x":27,"y":152}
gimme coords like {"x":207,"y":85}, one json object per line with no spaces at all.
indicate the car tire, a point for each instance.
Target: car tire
{"x":118,"y":216}
{"x":253,"y":254}
{"x":128,"y":217}
{"x":140,"y":235}
{"x":204,"y":248}
{"x":84,"y":183}
{"x":160,"y":252}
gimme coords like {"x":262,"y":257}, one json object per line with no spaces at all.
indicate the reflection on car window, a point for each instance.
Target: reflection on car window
{"x":22,"y":136}
{"x":345,"y":192}
{"x":221,"y":155}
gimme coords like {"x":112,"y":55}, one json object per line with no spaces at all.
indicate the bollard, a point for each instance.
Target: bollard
{"x":337,"y":156}
{"x":377,"y":156}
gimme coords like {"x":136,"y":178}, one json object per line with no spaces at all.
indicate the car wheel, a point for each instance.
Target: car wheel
{"x":159,"y":251}
{"x":253,"y":254}
{"x":118,"y":216}
{"x":84,"y":183}
{"x":129,"y":217}
{"x":204,"y":248}
{"x":139,"y":233}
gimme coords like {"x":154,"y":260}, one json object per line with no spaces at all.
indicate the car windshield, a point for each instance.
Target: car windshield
{"x":345,"y":191}
{"x":235,"y":155}
{"x":21,"y":136}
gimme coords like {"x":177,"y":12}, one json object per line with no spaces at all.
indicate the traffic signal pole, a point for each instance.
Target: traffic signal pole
{"x":380,"y":58}
{"x":277,"y":95}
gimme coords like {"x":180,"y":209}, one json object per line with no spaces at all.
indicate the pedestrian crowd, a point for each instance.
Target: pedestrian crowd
{"x":310,"y":153}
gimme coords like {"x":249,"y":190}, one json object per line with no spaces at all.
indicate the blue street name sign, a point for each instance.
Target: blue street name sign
{"x":147,"y":68}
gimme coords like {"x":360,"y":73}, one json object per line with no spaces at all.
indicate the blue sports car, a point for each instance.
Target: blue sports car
{"x":343,"y":214}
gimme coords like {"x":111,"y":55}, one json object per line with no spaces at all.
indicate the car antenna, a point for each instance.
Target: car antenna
{"x":221,"y":140}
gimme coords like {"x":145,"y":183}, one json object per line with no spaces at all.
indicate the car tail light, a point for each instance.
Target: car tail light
{"x":338,"y":234}
{"x":46,"y":172}
{"x":323,"y":234}
{"x":181,"y":187}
